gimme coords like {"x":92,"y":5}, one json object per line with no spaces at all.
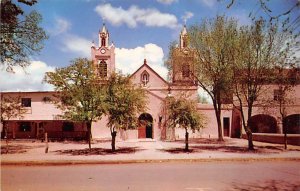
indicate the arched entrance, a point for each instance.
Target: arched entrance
{"x":292,"y":124}
{"x":263,"y":124}
{"x":145,"y":129}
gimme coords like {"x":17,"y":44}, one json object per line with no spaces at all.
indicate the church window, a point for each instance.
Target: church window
{"x":145,"y":77}
{"x":103,"y":41}
{"x":184,"y":42}
{"x":186,"y":70}
{"x":102,"y":69}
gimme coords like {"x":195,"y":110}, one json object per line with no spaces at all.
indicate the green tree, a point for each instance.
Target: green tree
{"x":10,"y":107}
{"x":80,"y":92}
{"x":21,"y":35}
{"x":124,"y":101}
{"x":213,"y":42}
{"x":258,"y":50}
{"x":183,"y":113}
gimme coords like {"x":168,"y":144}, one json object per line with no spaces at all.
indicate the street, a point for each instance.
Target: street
{"x":208,"y":176}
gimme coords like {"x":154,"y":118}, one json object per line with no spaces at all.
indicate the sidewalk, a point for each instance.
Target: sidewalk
{"x":31,"y":152}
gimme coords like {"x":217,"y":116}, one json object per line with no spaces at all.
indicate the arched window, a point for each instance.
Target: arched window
{"x":102,"y":68}
{"x":184,"y":42}
{"x":103,"y":41}
{"x":186,"y":70}
{"x":145,"y":77}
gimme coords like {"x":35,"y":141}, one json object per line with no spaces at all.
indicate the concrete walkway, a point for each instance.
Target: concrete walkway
{"x":30,"y":152}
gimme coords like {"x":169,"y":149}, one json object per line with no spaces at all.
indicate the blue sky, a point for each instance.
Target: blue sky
{"x":138,"y":28}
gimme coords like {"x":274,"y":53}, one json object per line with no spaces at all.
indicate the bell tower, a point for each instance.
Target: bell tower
{"x":103,"y":56}
{"x":183,"y":59}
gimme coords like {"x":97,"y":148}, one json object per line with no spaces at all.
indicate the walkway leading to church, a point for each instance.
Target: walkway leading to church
{"x":22,"y":152}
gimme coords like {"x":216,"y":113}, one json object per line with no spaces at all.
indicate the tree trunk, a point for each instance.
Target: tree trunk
{"x":89,"y":134}
{"x":218,"y":117}
{"x":285,"y":135}
{"x":250,"y":140}
{"x":186,"y":141}
{"x":113,"y":141}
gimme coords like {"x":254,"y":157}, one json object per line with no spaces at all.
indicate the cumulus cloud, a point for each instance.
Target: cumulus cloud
{"x":167,"y":2}
{"x":129,"y":60}
{"x":76,"y":44}
{"x":29,"y":79}
{"x":135,"y":15}
{"x":61,"y":26}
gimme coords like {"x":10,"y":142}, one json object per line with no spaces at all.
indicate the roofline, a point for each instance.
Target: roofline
{"x":16,"y":92}
{"x":146,"y":65}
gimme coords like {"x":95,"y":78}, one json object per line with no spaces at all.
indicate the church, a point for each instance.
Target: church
{"x":40,"y":115}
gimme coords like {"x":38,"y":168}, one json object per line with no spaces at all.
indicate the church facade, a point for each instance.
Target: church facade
{"x":40,"y":115}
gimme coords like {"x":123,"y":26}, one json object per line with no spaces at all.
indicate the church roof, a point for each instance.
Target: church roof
{"x":152,"y":70}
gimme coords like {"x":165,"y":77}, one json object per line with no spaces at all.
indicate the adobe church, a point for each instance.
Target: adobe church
{"x":41,"y":115}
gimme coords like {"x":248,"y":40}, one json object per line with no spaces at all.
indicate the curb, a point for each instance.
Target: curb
{"x":142,"y":161}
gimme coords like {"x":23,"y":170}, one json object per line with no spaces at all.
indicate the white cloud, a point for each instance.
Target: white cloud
{"x":61,"y":26}
{"x":135,"y":15}
{"x":76,"y":44}
{"x":167,"y":2}
{"x":129,"y":60}
{"x":29,"y":79}
{"x":187,"y":15}
{"x":209,"y":3}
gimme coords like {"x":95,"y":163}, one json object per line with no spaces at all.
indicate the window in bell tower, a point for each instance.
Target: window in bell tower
{"x":184,"y":42}
{"x":102,"y":68}
{"x":186,"y":70}
{"x":103,"y":41}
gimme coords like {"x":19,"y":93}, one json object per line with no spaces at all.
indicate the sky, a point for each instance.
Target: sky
{"x":138,"y":28}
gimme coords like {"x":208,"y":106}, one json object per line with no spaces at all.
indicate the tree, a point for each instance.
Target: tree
{"x":11,"y":107}
{"x":286,"y":81}
{"x":258,"y":50}
{"x":183,"y":113}
{"x":80,"y":93}
{"x":21,"y":35}
{"x":213,"y":42}
{"x":124,"y":102}
{"x":286,"y":77}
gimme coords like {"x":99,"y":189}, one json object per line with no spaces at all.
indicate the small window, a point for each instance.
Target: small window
{"x":26,"y":102}
{"x":145,"y":77}
{"x":25,"y":127}
{"x":277,"y":95}
{"x":68,"y":126}
{"x":103,"y":41}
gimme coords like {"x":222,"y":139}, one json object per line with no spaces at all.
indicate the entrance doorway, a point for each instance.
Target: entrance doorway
{"x":145,"y":129}
{"x":226,"y":125}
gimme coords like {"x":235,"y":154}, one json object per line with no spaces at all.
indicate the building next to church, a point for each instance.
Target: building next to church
{"x":41,"y":115}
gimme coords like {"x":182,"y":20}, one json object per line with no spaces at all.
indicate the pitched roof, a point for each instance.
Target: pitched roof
{"x":147,"y":66}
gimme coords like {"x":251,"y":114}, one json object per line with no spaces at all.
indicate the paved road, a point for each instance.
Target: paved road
{"x":209,"y":176}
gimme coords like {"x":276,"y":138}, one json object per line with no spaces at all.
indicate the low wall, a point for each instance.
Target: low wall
{"x":292,"y":139}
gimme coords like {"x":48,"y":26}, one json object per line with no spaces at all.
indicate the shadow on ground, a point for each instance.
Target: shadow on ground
{"x":100,"y":151}
{"x":201,"y":145}
{"x":15,"y":149}
{"x":271,"y":185}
